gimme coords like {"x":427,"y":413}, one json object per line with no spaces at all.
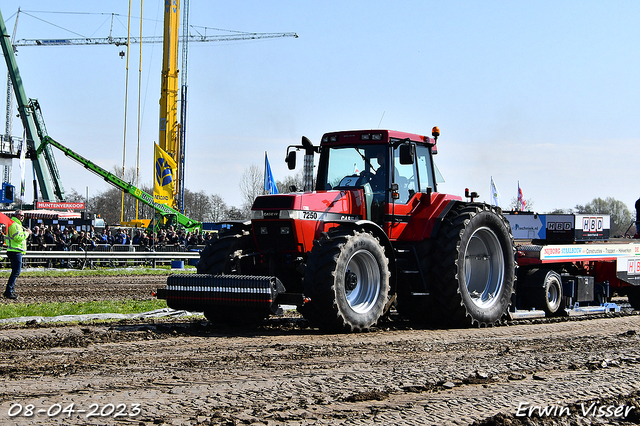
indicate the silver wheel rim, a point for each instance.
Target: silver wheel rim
{"x":366,"y":288}
{"x":553,"y":295}
{"x":484,"y":268}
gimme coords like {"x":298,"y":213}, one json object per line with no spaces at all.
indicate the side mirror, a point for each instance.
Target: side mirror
{"x":291,"y":160}
{"x":407,"y":154}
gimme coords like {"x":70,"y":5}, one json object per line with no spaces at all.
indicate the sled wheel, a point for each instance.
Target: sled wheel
{"x":547,"y":294}
{"x":633,"y":295}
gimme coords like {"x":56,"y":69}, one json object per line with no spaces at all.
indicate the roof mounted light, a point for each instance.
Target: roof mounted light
{"x":365,"y":137}
{"x":435,"y":132}
{"x":376,"y":136}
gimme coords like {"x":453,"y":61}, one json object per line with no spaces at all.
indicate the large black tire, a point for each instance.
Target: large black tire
{"x":473,"y":267}
{"x":633,"y":295}
{"x":347,"y":281}
{"x":545,"y":291}
{"x":220,"y":255}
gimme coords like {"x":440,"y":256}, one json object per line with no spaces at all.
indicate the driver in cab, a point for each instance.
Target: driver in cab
{"x":376,"y":177}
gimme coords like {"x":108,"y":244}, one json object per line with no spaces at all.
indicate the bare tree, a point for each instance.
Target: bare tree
{"x":234,"y":213}
{"x":251,"y":185}
{"x":197,"y":205}
{"x":297,"y":181}
{"x":619,"y":212}
{"x":218,"y":210}
{"x":515,"y":204}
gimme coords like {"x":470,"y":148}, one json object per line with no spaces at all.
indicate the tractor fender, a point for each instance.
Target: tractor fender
{"x":443,"y":213}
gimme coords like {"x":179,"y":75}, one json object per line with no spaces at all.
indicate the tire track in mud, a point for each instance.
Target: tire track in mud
{"x":282,"y":372}
{"x":192,"y":373}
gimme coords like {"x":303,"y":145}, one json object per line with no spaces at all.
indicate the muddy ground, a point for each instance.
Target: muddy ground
{"x":190,"y":372}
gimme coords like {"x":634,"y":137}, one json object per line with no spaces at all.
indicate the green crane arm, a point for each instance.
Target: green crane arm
{"x":114,"y":180}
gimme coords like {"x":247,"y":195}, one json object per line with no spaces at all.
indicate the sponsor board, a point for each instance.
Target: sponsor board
{"x":592,"y":227}
{"x":559,"y":227}
{"x":526,"y":226}
{"x":588,"y":252}
{"x":59,"y":205}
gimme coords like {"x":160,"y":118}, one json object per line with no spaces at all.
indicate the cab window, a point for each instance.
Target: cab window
{"x":424,"y":168}
{"x":406,"y":178}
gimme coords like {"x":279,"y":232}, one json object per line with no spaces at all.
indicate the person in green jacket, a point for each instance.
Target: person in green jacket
{"x":16,"y":246}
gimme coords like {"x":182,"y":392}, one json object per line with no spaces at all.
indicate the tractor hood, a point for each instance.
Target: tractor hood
{"x":291,"y":222}
{"x":326,"y":206}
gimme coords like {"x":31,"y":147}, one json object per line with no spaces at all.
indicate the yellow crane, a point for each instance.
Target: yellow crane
{"x":169,"y":90}
{"x":171,"y":138}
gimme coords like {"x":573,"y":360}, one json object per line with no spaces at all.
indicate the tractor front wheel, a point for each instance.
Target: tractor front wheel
{"x":221,"y":254}
{"x":347,"y":281}
{"x":224,"y":255}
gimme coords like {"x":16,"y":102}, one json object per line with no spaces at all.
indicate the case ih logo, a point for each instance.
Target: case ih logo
{"x":59,"y":206}
{"x":592,"y":224}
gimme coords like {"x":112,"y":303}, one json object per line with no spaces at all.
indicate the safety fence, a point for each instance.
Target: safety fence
{"x":109,"y":256}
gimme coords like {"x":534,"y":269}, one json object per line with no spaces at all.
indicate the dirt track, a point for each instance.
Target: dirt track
{"x":190,"y":372}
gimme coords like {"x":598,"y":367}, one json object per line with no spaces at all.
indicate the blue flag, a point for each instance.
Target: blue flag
{"x":269,"y":182}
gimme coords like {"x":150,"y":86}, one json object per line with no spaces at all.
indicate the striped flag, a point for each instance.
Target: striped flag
{"x":521,"y":200}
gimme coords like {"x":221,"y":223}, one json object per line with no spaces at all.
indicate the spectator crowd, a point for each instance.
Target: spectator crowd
{"x":53,"y":237}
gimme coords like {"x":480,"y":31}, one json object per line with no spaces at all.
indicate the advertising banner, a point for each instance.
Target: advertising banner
{"x":164,"y":176}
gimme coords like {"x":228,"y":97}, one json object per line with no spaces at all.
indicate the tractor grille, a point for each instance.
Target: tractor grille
{"x":275,"y":234}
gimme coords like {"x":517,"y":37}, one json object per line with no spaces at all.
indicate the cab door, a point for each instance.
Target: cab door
{"x":413,"y":181}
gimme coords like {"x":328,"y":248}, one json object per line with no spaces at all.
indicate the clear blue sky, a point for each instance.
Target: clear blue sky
{"x":545,"y":93}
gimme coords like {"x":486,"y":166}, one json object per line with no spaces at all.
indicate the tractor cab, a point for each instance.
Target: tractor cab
{"x":389,"y":167}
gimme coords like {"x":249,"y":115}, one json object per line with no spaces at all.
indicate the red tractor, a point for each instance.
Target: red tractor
{"x":374,"y":233}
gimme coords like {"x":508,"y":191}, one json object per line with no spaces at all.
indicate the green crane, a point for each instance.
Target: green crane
{"x":168,"y":215}
{"x":44,"y":164}
{"x":39,"y":150}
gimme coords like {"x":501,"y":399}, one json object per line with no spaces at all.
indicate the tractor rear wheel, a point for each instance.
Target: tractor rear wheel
{"x":473,"y":267}
{"x":347,"y":281}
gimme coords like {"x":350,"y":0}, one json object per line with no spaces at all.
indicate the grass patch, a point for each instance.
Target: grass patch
{"x":53,"y":309}
{"x":44,"y":272}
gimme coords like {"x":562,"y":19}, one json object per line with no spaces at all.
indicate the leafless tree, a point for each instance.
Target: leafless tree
{"x":218,"y":210}
{"x":251,"y":185}
{"x":620,"y":215}
{"x":515,"y":204}
{"x":297,"y":181}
